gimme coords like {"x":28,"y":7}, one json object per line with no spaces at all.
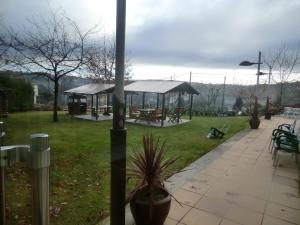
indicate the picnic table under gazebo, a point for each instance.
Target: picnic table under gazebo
{"x":158,"y":114}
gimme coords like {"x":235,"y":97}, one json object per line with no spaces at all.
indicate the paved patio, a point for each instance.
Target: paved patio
{"x":236,"y":184}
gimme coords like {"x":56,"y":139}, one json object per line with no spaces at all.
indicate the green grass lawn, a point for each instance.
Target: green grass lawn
{"x":79,"y":172}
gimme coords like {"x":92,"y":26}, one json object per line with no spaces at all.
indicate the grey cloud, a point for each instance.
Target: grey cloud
{"x":218,"y":35}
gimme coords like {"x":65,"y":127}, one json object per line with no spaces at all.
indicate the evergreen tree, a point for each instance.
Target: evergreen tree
{"x":238,"y":103}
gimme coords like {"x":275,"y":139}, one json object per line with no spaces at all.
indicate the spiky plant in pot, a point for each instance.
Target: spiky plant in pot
{"x":150,"y":201}
{"x":254,"y":121}
{"x":267,"y":113}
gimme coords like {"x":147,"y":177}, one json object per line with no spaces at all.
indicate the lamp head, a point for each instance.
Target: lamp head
{"x":262,"y":73}
{"x":247,"y":63}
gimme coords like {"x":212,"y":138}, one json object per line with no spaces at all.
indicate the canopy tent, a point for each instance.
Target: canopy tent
{"x":91,"y":89}
{"x":162,"y":87}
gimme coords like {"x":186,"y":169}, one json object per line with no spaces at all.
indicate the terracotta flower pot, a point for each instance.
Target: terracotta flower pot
{"x":140,"y":210}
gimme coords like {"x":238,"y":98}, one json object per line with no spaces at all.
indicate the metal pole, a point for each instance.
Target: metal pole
{"x":258,"y":67}
{"x":40,"y":162}
{"x":118,"y":132}
{"x":2,"y":184}
{"x":223,"y":96}
{"x":190,"y":96}
{"x":97,"y":102}
{"x":107,"y":100}
{"x":143,"y":101}
{"x":178,"y":106}
{"x":125,"y":106}
{"x":157,"y":100}
{"x":163,"y":110}
{"x":92,"y":96}
{"x":2,"y":196}
{"x":191,"y":106}
{"x":270,"y":73}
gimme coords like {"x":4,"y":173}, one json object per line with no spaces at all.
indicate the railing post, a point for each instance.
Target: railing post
{"x":39,"y":163}
{"x":2,"y":185}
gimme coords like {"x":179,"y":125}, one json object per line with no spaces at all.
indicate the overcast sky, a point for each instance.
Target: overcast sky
{"x":172,"y":37}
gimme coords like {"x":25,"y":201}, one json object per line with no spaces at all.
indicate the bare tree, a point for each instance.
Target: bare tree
{"x":52,"y":47}
{"x":248,"y":96}
{"x":3,"y":48}
{"x":212,"y":96}
{"x":284,"y":61}
{"x":270,"y":61}
{"x":3,"y":51}
{"x":101,"y":61}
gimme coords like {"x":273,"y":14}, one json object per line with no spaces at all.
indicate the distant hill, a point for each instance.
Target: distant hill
{"x":291,"y":93}
{"x":208,"y":92}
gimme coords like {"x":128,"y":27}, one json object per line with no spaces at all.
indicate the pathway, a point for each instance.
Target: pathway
{"x":236,"y":184}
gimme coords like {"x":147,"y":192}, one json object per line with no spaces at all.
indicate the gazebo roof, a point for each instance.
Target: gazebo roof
{"x":160,"y":86}
{"x":91,"y":89}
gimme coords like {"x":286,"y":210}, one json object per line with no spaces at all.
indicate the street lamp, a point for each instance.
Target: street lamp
{"x":118,"y":132}
{"x":247,"y":63}
{"x":259,"y":73}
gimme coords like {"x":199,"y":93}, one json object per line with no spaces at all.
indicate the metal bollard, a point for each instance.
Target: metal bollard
{"x":39,"y":155}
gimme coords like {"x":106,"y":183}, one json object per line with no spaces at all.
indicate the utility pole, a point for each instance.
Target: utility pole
{"x":223,"y":96}
{"x":191,"y":97}
{"x":270,"y":74}
{"x":258,"y":68}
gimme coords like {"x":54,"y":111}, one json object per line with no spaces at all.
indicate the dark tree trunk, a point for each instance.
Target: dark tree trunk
{"x":55,"y":116}
{"x":281,"y":94}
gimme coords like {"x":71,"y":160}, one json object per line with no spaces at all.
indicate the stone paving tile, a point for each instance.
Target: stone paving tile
{"x":170,"y":222}
{"x":227,"y":184}
{"x":187,"y":197}
{"x":268,"y":220}
{"x":286,"y":198}
{"x":286,"y":181}
{"x":287,"y":172}
{"x":255,"y":190}
{"x":244,"y":216}
{"x":221,"y":193}
{"x":205,"y":179}
{"x":252,"y":203}
{"x":280,"y":188}
{"x":177,"y":211}
{"x":212,"y":205}
{"x":283,"y":213}
{"x":223,"y":165}
{"x":196,"y":217}
{"x":213,"y":172}
{"x":196,"y":187}
{"x":228,"y":222}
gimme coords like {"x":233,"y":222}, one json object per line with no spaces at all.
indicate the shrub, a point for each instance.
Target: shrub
{"x":21,"y":96}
